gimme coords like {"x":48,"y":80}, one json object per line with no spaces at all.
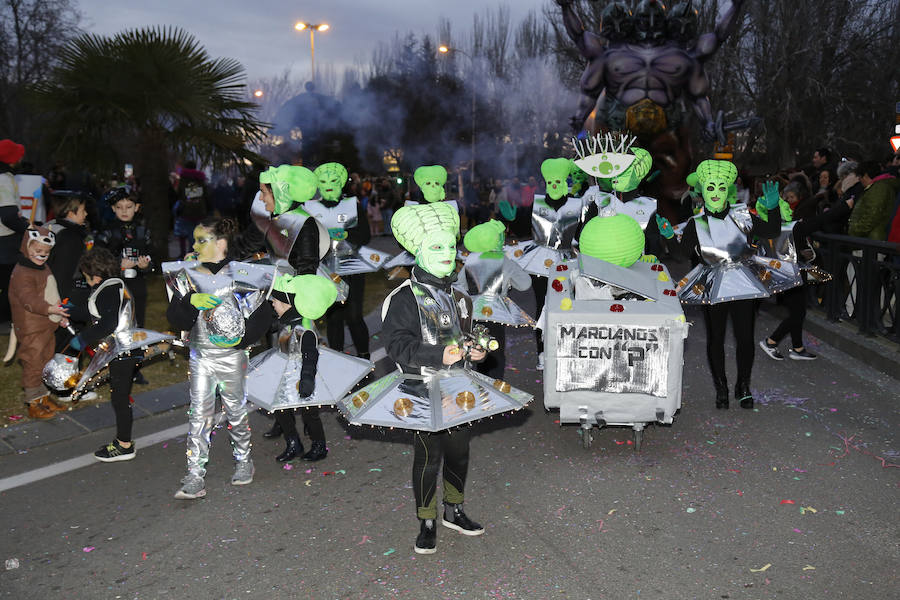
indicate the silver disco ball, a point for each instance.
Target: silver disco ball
{"x":61,"y":373}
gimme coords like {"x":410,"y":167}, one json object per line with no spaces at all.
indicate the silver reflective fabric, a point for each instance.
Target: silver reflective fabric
{"x":404,"y":259}
{"x":281,"y":231}
{"x":124,"y":339}
{"x":344,"y":258}
{"x":491,"y":300}
{"x":640,"y":209}
{"x":223,"y":369}
{"x":439,"y":315}
{"x":274,"y":375}
{"x":612,"y":358}
{"x":446,"y":399}
{"x":241,"y":286}
{"x":731,"y":268}
{"x":556,"y":229}
{"x":784,"y":248}
{"x":58,"y":370}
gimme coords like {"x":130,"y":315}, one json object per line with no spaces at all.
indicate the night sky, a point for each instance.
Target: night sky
{"x":261,"y":36}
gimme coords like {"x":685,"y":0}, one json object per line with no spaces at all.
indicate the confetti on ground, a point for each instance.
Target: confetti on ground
{"x":308,"y":471}
{"x":88,"y":549}
{"x":324,"y":473}
{"x":364,"y":539}
{"x":143,"y":556}
{"x":389,"y":552}
{"x":691,"y":510}
{"x":838,"y":512}
{"x":765,"y":567}
{"x":809,"y":568}
{"x":612,"y":511}
{"x":805,"y":509}
{"x":288,"y":467}
{"x":12,"y":563}
{"x":307,"y":482}
{"x":341,"y":472}
{"x":788,"y":502}
{"x":376,"y":470}
{"x":15,"y":417}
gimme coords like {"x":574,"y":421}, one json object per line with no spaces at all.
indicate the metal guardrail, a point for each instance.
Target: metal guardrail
{"x":865,"y":285}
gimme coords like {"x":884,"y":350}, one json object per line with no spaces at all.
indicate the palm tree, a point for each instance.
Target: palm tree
{"x":150,"y":94}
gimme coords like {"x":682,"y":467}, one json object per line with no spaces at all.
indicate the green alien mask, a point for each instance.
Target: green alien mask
{"x":714,"y":177}
{"x":437,"y":254}
{"x":331,"y":177}
{"x":487,"y":237}
{"x":635,"y":173}
{"x":556,"y":172}
{"x":431,"y":180}
{"x":310,"y":294}
{"x":580,"y":180}
{"x":289,"y":184}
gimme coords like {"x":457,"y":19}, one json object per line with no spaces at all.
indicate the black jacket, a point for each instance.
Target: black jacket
{"x":64,"y":258}
{"x":304,"y":257}
{"x":402,"y":332}
{"x":182,"y":314}
{"x":108,"y":304}
{"x":127,"y":238}
{"x":689,"y":246}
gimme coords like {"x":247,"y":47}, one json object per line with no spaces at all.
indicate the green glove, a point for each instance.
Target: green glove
{"x":205,"y":301}
{"x":770,"y":194}
{"x":665,"y":228}
{"x":225,"y":342}
{"x":337,"y":233}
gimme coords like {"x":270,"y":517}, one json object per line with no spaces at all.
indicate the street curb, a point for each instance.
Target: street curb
{"x":876,"y":352}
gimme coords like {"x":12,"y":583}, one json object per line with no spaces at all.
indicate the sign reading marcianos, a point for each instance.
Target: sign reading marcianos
{"x":612,"y":358}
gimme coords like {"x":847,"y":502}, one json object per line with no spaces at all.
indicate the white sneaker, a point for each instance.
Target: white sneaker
{"x":89,"y":396}
{"x":243,"y":473}
{"x":540,"y":363}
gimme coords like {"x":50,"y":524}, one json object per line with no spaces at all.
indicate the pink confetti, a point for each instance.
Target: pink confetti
{"x":288,"y":467}
{"x":832,"y":409}
{"x":143,"y":556}
{"x":364,"y":539}
{"x":88,"y":549}
{"x":799,"y":470}
{"x":347,"y":437}
{"x":14,"y":417}
{"x":788,"y":502}
{"x":309,"y":470}
{"x":797,"y":530}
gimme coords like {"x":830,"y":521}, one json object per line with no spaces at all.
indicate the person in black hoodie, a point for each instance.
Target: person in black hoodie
{"x":422,"y":321}
{"x":218,"y":361}
{"x":105,"y":307}
{"x":347,"y":223}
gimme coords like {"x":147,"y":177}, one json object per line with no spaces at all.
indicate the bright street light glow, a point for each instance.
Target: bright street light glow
{"x":300,"y":26}
{"x":323,"y":27}
{"x":443,"y":49}
{"x":258,"y":93}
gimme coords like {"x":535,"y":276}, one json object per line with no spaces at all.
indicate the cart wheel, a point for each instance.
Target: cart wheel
{"x":586,"y":437}
{"x":638,"y":438}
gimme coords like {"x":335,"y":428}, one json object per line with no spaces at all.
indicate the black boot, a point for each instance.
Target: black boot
{"x":310,"y":353}
{"x":742,"y":393}
{"x":317,"y":451}
{"x":293,"y":449}
{"x":274,"y":432}
{"x":721,"y":385}
{"x":364,"y":355}
{"x":426,"y":541}
{"x":455,"y":518}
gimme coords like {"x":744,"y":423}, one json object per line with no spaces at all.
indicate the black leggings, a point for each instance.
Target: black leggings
{"x":795,"y":301}
{"x":743,"y":321}
{"x":454,"y":446}
{"x":539,"y":285}
{"x":495,"y":363}
{"x":351,"y":313}
{"x":121,"y":372}
{"x":312,"y":422}
{"x":138,"y":288}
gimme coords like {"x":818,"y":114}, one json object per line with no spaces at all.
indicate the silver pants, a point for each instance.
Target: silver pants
{"x":224,"y":369}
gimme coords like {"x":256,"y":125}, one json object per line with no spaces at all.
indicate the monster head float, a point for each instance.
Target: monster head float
{"x":713,"y":178}
{"x":635,"y":173}
{"x":618,"y":24}
{"x":617,"y":239}
{"x":429,"y":232}
{"x":681,"y":22}
{"x":289,"y":184}
{"x":649,"y":21}
{"x":311,"y":295}
{"x":556,"y":173}
{"x":487,"y":237}
{"x":431,"y":180}
{"x":331,"y":178}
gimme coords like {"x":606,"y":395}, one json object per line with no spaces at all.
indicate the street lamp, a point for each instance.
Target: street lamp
{"x":313,"y":28}
{"x":444,"y":49}
{"x":258,"y":93}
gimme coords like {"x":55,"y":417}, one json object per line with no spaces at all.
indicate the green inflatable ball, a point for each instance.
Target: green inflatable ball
{"x":617,"y":239}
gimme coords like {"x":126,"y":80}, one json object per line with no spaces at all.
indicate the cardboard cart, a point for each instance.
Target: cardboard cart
{"x":613,"y":345}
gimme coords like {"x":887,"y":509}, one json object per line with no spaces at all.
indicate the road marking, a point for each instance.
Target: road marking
{"x":84,"y":460}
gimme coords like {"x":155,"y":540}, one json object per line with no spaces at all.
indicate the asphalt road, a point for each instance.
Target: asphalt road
{"x":797,"y":499}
